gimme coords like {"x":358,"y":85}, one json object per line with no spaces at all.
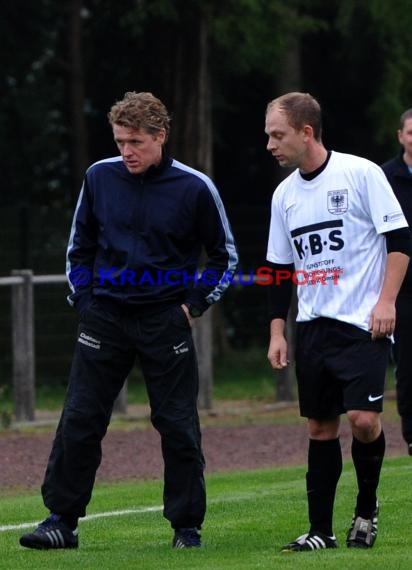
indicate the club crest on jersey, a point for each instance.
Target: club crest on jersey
{"x":337,"y":201}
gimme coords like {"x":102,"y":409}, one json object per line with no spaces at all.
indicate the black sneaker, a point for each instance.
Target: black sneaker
{"x":186,"y":538}
{"x":51,"y":533}
{"x":311,"y":541}
{"x":363,"y":532}
{"x":409,"y":448}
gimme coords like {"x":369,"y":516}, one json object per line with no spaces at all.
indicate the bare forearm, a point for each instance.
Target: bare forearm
{"x":383,"y":317}
{"x":396,"y":266}
{"x":277,"y":327}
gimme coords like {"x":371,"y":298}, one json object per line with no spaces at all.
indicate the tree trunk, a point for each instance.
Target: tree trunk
{"x":289,"y":80}
{"x":79,"y":146}
{"x":191,"y":142}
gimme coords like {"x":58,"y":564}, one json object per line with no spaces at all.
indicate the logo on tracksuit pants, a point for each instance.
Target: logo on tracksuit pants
{"x":89,"y":341}
{"x":181,"y":348}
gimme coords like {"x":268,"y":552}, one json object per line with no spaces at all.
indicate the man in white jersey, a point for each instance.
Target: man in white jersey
{"x":337,"y":231}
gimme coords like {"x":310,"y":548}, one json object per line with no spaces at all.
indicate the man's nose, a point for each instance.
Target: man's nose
{"x":127,"y":149}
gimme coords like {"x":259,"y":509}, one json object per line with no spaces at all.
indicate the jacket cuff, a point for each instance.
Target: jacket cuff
{"x":82,"y":301}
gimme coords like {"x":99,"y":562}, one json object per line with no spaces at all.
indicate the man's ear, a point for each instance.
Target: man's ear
{"x":307,"y":132}
{"x":160,"y":136}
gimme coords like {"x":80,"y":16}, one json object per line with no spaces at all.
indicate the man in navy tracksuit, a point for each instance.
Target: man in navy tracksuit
{"x":398,"y":171}
{"x":139,"y":227}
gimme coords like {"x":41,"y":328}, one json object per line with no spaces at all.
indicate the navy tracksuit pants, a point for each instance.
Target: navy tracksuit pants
{"x":108,"y":343}
{"x":403,"y":363}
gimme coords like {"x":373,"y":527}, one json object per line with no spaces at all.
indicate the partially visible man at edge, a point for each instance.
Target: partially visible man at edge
{"x":399,"y":174}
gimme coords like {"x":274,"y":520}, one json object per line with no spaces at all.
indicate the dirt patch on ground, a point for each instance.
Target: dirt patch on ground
{"x":235,"y":436}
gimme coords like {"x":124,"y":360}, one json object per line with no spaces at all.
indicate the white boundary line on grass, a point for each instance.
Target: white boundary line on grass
{"x":140,"y":510}
{"x":106,"y":514}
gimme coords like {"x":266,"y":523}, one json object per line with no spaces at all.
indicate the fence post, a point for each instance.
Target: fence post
{"x":202,"y":335}
{"x":23,"y":346}
{"x":120,"y":404}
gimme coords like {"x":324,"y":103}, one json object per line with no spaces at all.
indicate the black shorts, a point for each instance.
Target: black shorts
{"x":339,"y":368}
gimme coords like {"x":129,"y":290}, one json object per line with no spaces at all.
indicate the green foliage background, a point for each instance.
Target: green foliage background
{"x":355,"y":57}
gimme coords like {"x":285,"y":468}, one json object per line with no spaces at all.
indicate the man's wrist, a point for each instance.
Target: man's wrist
{"x":277,"y":327}
{"x":194,"y":311}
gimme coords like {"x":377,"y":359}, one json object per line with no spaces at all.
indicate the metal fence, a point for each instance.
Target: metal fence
{"x":22,"y":336}
{"x":37,"y":335}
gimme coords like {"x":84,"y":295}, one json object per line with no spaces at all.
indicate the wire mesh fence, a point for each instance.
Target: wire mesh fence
{"x":238,"y":323}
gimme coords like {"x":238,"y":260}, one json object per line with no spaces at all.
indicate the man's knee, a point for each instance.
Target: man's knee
{"x":323,"y":429}
{"x":365,"y":425}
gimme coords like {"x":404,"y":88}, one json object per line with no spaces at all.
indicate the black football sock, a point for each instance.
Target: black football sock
{"x":367,"y":459}
{"x":324,"y":470}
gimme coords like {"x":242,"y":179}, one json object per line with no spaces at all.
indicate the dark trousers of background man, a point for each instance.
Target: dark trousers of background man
{"x":107,"y":345}
{"x":402,"y":351}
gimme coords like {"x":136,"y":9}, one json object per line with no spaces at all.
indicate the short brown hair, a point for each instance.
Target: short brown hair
{"x":404,"y":117}
{"x":140,"y":111}
{"x":301,"y":109}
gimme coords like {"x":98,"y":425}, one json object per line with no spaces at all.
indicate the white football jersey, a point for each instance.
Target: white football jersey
{"x":331,"y":229}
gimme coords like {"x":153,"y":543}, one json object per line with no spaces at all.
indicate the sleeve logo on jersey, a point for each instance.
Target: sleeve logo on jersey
{"x":338,"y":201}
{"x":393,"y":217}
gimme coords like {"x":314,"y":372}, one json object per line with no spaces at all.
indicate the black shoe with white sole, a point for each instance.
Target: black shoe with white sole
{"x":311,"y":541}
{"x":363,"y":532}
{"x":51,"y":533}
{"x":186,"y":538}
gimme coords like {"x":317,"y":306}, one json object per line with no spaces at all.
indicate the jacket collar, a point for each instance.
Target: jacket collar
{"x":156,"y":169}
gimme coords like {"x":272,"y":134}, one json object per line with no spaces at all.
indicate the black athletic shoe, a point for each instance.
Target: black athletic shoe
{"x":186,"y":538}
{"x":51,"y":533}
{"x":363,"y":532}
{"x":409,"y":448}
{"x":311,"y":541}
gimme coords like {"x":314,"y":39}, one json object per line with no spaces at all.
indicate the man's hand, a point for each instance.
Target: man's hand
{"x":278,"y":352}
{"x":278,"y":347}
{"x":189,"y":317}
{"x":382,"y":320}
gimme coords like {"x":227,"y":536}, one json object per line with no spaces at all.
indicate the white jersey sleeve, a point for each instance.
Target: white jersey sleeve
{"x":384,"y":208}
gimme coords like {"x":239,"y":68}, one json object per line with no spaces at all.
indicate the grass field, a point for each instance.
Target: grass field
{"x":250,"y":515}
